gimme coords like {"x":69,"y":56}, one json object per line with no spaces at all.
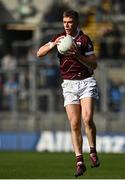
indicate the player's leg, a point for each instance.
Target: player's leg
{"x":74,"y":116}
{"x":87,"y":105}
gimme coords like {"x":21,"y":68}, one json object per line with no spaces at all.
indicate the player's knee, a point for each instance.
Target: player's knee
{"x":88,"y":123}
{"x":75,"y":125}
{"x":88,"y":120}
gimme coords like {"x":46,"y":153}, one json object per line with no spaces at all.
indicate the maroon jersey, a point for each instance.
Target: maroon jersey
{"x":70,"y":67}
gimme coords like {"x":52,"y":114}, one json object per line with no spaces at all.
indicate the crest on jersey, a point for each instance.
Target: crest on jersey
{"x":78,"y":43}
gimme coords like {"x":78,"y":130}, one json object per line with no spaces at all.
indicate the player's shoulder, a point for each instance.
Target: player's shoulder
{"x":85,"y":37}
{"x":58,"y":35}
{"x":61,"y":34}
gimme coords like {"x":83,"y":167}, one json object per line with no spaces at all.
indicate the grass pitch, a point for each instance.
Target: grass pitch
{"x":34,"y":165}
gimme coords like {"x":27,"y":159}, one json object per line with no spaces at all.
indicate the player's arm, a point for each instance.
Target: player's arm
{"x":43,"y":50}
{"x":89,"y":60}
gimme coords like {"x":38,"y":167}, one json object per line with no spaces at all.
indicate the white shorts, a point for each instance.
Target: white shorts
{"x":74,"y":90}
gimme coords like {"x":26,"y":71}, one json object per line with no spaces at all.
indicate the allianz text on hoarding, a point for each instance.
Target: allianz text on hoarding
{"x":61,"y":141}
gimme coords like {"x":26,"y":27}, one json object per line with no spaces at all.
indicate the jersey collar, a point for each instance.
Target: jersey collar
{"x":78,"y":31}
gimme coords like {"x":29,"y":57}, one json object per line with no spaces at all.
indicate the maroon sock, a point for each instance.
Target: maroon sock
{"x":79,"y":158}
{"x":92,"y":150}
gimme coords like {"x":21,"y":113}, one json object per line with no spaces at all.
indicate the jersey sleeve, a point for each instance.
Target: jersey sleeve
{"x":89,"y":48}
{"x":54,"y":38}
{"x":57,"y":36}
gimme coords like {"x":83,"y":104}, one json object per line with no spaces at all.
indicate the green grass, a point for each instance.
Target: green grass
{"x":34,"y":165}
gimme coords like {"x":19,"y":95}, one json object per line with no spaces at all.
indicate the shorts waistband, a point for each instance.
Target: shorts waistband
{"x":72,"y":80}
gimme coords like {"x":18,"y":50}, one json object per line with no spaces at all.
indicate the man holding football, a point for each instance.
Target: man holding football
{"x":79,"y":86}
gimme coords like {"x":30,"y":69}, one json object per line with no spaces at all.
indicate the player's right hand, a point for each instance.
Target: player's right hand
{"x":57,"y":41}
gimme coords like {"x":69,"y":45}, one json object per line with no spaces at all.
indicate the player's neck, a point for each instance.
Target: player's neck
{"x":75,"y":34}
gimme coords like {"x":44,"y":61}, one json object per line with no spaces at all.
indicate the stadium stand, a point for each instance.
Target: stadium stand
{"x":39,"y":103}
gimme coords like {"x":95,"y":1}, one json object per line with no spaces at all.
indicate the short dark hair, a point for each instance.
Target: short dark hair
{"x":71,"y":13}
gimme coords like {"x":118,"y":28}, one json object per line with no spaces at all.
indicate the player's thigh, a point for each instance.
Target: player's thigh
{"x":87,"y":105}
{"x":73,"y":112}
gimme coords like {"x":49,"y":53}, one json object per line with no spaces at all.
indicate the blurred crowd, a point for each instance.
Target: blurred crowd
{"x":15,"y":77}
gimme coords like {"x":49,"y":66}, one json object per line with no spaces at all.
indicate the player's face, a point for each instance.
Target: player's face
{"x":70,"y":25}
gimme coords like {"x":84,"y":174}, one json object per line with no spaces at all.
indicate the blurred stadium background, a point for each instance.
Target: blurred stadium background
{"x":32,"y":116}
